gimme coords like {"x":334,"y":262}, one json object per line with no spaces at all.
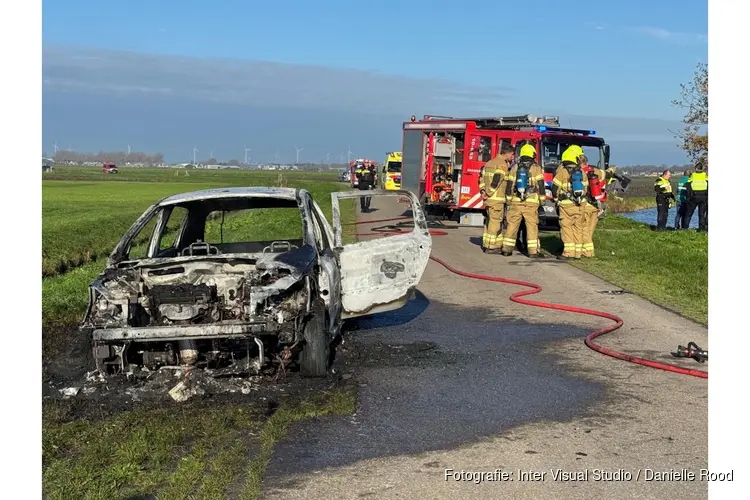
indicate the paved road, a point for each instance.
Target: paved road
{"x":464,"y":379}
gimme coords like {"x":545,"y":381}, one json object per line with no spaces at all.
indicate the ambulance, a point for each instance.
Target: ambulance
{"x":392,"y":171}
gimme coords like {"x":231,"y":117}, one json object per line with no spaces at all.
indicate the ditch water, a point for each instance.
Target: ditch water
{"x":648,"y":216}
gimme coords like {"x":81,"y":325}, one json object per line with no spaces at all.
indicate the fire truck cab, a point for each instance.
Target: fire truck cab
{"x":443,"y":156}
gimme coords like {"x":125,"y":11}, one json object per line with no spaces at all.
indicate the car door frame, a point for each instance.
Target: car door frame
{"x":329,"y":284}
{"x":387,"y":290}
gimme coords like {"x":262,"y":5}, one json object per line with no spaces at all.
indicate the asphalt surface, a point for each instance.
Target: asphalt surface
{"x":463,"y":379}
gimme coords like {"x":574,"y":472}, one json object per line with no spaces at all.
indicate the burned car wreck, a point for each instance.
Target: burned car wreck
{"x":211,"y":289}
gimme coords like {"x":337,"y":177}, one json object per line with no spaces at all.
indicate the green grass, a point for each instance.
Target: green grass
{"x":83,"y":220}
{"x":176,"y":452}
{"x":667,"y":268}
{"x":171,"y":453}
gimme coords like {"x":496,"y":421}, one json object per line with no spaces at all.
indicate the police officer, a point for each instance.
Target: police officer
{"x":696,"y":190}
{"x":524,"y":193}
{"x":682,"y":201}
{"x":492,"y":179}
{"x":596,"y":198}
{"x":664,"y":198}
{"x":569,"y":188}
{"x":366,"y":180}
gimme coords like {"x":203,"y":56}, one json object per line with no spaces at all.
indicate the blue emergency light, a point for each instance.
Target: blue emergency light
{"x":592,"y":132}
{"x":541,"y":128}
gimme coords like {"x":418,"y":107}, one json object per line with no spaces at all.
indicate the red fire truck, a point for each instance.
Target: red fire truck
{"x":442,"y":158}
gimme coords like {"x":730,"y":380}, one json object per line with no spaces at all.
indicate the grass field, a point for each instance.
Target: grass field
{"x":667,"y":268}
{"x":188,"y":451}
{"x":211,"y":451}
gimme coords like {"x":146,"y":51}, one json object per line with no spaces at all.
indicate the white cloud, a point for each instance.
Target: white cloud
{"x":676,"y":37}
{"x":257,"y":83}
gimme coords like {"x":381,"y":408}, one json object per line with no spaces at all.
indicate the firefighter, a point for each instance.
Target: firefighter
{"x":596,"y":196}
{"x":664,"y":199}
{"x":492,"y":178}
{"x":524,"y":193}
{"x":569,"y":188}
{"x":696,"y":190}
{"x":682,"y":201}
{"x":366,"y":179}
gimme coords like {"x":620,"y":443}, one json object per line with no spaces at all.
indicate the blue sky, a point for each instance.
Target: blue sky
{"x":328,"y":75}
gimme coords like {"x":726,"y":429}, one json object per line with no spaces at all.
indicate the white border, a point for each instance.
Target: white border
{"x":21,"y":132}
{"x":20,"y":252}
{"x":728,"y":274}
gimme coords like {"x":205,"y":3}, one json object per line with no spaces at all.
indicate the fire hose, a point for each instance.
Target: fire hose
{"x":534,"y":289}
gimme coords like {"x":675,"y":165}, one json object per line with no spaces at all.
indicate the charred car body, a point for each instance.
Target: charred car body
{"x":203,"y":298}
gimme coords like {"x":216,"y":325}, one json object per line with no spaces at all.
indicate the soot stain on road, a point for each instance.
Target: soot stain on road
{"x":444,"y":377}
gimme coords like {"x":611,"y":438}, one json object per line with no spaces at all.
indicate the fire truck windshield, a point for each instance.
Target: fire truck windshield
{"x":394,"y":166}
{"x":553,"y":148}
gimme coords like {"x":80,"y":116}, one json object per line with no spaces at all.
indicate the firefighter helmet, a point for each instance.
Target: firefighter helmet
{"x":572,"y":153}
{"x":528,"y":150}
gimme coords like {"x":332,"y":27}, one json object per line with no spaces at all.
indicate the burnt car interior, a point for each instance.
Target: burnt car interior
{"x":230,"y":226}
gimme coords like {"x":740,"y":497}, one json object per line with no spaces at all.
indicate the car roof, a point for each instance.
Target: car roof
{"x":232,"y":192}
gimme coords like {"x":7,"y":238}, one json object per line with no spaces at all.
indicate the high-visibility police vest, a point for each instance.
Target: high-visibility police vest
{"x":665,"y":187}
{"x":699,"y":181}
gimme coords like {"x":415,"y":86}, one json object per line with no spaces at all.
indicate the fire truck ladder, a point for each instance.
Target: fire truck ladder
{"x":518,"y":121}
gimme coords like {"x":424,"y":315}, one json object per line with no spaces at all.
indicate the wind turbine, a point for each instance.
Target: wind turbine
{"x":195,"y":150}
{"x":298,"y":151}
{"x":247,"y":150}
{"x":55,"y":146}
{"x":276,"y":156}
{"x":328,"y":159}
{"x":341,"y":158}
{"x":349,"y":153}
{"x":128,"y":149}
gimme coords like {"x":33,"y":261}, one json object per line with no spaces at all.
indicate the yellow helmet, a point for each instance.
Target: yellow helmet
{"x":572,"y":153}
{"x":528,"y":150}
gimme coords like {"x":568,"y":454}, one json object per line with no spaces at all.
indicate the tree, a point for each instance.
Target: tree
{"x":694,"y":100}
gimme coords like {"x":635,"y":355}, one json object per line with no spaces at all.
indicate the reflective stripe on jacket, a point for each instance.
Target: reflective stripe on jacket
{"x":536,"y":183}
{"x":662,"y":187}
{"x":562,"y":184}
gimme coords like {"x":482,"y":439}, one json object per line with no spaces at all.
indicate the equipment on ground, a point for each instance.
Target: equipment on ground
{"x":691,"y":351}
{"x":442,"y":157}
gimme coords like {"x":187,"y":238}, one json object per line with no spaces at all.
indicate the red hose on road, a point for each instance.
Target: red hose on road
{"x":534,"y":288}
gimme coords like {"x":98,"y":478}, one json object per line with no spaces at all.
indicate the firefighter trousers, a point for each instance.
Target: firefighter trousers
{"x":492,"y":237}
{"x":527,"y":212}
{"x":571,"y":230}
{"x":590,"y":219}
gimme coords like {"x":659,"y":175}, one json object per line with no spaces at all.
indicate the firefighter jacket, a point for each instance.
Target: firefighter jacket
{"x":663,"y":188}
{"x":534,"y":189}
{"x":562,"y":190}
{"x":682,"y":189}
{"x":697,"y":185}
{"x":492,"y":179}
